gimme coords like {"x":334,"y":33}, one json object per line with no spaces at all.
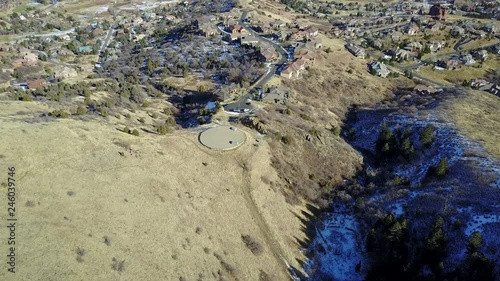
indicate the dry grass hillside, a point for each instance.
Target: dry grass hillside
{"x":476,"y":114}
{"x":94,"y":203}
{"x":308,"y":153}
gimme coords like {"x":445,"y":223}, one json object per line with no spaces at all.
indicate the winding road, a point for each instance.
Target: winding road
{"x":241,"y":104}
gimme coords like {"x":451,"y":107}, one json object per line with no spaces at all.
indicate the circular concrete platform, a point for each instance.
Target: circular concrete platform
{"x":222,"y":138}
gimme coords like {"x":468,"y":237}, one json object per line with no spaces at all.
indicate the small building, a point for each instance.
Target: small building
{"x":451,"y":64}
{"x":457,"y":31}
{"x":495,"y":89}
{"x":249,"y":39}
{"x":356,"y":50}
{"x":36,"y":84}
{"x":276,"y":94}
{"x":379,"y":69}
{"x":438,"y":12}
{"x":481,"y":55}
{"x":478,"y":83}
{"x":467,"y":59}
{"x":277,"y":24}
{"x":435,"y":26}
{"x":414,"y":47}
{"x":435,"y":46}
{"x":396,"y":36}
{"x":412,"y":29}
{"x":268,"y":54}
{"x":85,"y":49}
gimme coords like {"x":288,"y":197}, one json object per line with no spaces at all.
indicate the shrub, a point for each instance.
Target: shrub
{"x":252,"y":244}
{"x":427,"y":136}
{"x":59,"y":113}
{"x":135,"y":132}
{"x":162,"y":129}
{"x":26,"y":98}
{"x":441,"y":167}
{"x":286,"y":140}
{"x":142,"y":120}
{"x":126,"y":130}
{"x":118,"y":265}
{"x":335,"y":130}
{"x":81,"y":110}
{"x":170,"y":121}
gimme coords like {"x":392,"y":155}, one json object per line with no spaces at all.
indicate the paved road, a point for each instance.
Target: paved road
{"x":106,"y":43}
{"x":241,"y":104}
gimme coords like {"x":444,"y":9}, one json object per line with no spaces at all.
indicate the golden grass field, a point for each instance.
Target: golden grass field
{"x":164,"y":213}
{"x":459,"y":75}
{"x":476,"y":115}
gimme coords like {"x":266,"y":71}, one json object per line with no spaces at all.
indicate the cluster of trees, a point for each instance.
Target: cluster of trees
{"x":397,"y":254}
{"x":390,"y":144}
{"x":38,"y":24}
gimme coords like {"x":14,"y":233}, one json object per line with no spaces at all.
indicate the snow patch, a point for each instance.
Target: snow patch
{"x":476,"y":222}
{"x":338,"y":237}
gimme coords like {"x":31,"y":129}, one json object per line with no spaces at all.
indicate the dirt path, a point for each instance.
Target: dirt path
{"x":263,"y":227}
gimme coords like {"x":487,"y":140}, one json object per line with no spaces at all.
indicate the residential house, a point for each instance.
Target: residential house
{"x":457,"y":31}
{"x":149,"y":16}
{"x":294,"y":69}
{"x":496,"y":49}
{"x":434,"y":46}
{"x":356,"y":50}
{"x":396,"y":35}
{"x":315,"y":43}
{"x":301,"y":25}
{"x":414,"y":47}
{"x":170,"y":17}
{"x":65,"y":72}
{"x":65,"y":37}
{"x":412,"y":29}
{"x":311,"y":32}
{"x":490,"y":28}
{"x":438,"y":12}
{"x":237,"y":31}
{"x":376,"y":43}
{"x":28,"y":59}
{"x":36,"y":84}
{"x":435,"y":26}
{"x":467,"y":59}
{"x":277,"y":24}
{"x":495,"y":89}
{"x":290,"y":71}
{"x":379,"y":68}
{"x":478,"y":83}
{"x":276,"y":94}
{"x":17,"y":84}
{"x":97,"y":32}
{"x":85,"y":49}
{"x":305,"y":55}
{"x":137,"y":21}
{"x":249,"y":39}
{"x":268,"y":54}
{"x":297,"y":35}
{"x":450,"y":64}
{"x":479,"y":33}
{"x":399,"y":54}
{"x":481,"y":55}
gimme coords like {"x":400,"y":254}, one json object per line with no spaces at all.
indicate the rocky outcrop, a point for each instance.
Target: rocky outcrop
{"x":255,"y":124}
